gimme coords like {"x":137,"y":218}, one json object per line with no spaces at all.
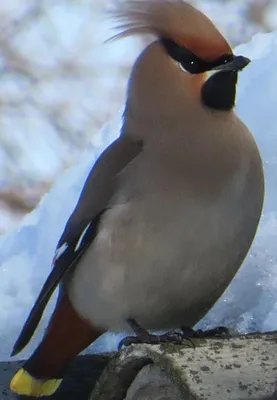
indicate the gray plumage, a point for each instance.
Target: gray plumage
{"x":182,"y":214}
{"x":174,"y":203}
{"x":179,"y":224}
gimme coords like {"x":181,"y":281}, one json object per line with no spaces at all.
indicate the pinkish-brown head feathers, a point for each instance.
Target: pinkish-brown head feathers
{"x":175,"y":20}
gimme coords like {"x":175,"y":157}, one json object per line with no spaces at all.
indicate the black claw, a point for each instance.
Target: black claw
{"x":142,"y":336}
{"x":186,"y":334}
{"x":127,"y":341}
{"x":171,"y":337}
{"x":187,"y":331}
{"x":220,"y":332}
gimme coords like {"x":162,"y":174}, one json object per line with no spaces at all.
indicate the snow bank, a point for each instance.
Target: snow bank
{"x":249,"y":304}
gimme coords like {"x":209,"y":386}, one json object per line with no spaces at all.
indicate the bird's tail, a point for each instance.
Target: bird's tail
{"x":67,"y":335}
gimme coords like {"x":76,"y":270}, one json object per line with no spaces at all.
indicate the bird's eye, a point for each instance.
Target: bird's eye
{"x":188,"y":61}
{"x":186,"y":66}
{"x":181,"y":67}
{"x":191,"y":64}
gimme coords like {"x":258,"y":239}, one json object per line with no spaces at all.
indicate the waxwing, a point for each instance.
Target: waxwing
{"x":169,"y":210}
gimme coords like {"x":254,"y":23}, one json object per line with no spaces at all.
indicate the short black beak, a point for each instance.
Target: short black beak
{"x":236,"y":64}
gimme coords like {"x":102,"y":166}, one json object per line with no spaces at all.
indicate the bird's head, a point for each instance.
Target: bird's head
{"x":190,"y":63}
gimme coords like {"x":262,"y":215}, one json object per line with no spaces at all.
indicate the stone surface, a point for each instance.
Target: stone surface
{"x":239,"y":368}
{"x":153,"y":383}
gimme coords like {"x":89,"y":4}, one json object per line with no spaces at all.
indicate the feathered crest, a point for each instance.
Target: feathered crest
{"x":173,"y":19}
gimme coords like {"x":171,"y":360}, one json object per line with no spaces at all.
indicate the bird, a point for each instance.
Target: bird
{"x":170,"y":208}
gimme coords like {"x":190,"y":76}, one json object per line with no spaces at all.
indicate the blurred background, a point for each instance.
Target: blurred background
{"x":59,"y":84}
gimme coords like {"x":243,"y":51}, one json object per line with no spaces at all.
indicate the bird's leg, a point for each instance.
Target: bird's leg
{"x":219,"y":331}
{"x":143,"y":336}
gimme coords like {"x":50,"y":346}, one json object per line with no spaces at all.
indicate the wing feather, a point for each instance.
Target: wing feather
{"x":81,"y":228}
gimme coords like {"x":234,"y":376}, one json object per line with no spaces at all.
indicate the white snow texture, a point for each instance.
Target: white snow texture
{"x":249,"y":304}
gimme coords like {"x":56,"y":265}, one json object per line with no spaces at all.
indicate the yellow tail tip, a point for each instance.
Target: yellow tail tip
{"x":24,"y":384}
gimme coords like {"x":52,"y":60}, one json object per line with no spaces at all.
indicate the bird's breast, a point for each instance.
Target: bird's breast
{"x":164,"y":251}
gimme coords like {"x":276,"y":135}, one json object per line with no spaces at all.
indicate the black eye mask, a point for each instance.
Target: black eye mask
{"x":189,"y":61}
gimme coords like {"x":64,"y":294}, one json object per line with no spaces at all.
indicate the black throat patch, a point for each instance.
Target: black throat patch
{"x":219,"y":91}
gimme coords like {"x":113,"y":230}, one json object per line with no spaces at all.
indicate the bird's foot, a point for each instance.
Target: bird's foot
{"x":143,"y":336}
{"x":217,"y":332}
{"x":170,"y":337}
{"x":175,"y":337}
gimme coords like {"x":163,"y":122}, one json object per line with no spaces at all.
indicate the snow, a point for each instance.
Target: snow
{"x":57,"y":91}
{"x":238,"y":19}
{"x":249,"y":304}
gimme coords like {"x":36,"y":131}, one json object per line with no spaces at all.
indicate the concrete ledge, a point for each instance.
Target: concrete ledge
{"x":239,"y":368}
